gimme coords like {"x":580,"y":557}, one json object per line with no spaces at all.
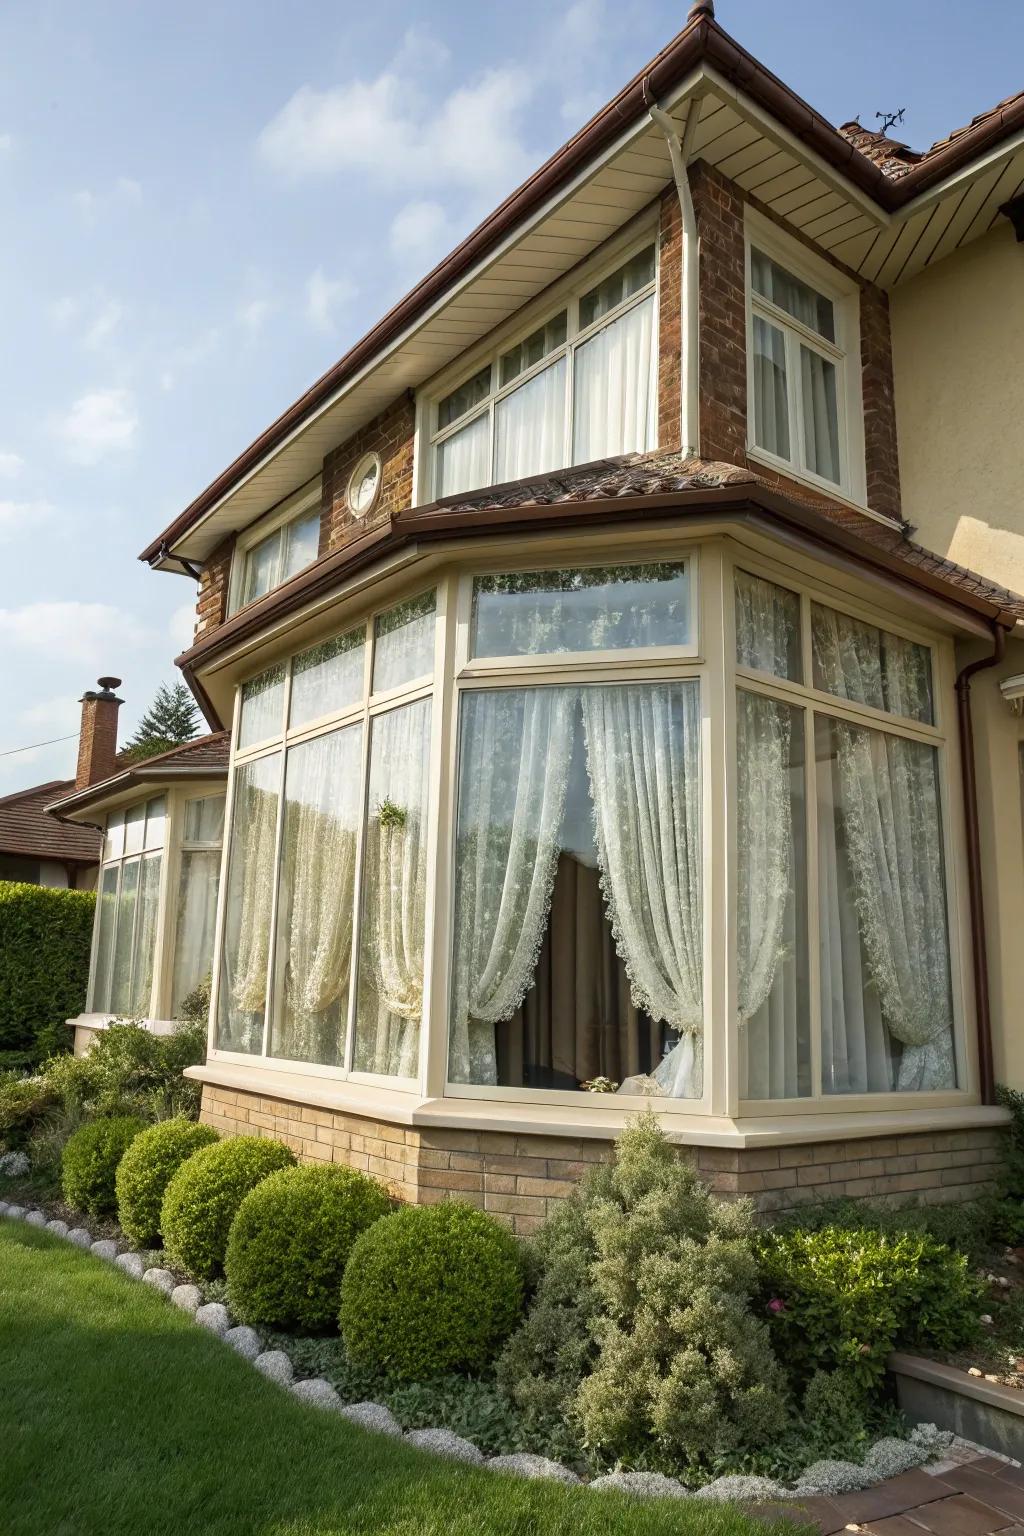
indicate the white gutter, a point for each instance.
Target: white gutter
{"x":689,"y":291}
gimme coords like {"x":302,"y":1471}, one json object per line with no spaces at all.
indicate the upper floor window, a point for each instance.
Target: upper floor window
{"x":581,"y":386}
{"x":272,"y":553}
{"x":803,"y":387}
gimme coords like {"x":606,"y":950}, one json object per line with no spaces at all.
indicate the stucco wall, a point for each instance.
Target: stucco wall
{"x":958,"y":352}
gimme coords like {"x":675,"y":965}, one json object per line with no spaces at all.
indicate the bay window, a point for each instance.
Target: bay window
{"x":580,"y":386}
{"x":666,"y":828}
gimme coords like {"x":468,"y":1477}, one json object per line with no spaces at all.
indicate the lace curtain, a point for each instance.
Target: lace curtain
{"x":767,"y":626}
{"x":251,"y":894}
{"x":866,"y":665}
{"x":197,"y":914}
{"x":765,"y":843}
{"x":518,"y":743}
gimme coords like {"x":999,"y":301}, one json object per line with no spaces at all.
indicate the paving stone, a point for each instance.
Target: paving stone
{"x":57,"y":1227}
{"x":372,"y":1416}
{"x":445,"y":1442}
{"x":81,"y":1237}
{"x":246,"y":1341}
{"x":275,"y":1365}
{"x":318,"y":1394}
{"x":998,"y":1492}
{"x":214,"y":1316}
{"x":161,"y":1279}
{"x":523,"y":1464}
{"x":187,"y":1297}
{"x":959,"y":1516}
{"x":104,"y":1248}
{"x":132,"y":1263}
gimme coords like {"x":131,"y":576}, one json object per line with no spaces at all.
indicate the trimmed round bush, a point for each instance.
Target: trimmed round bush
{"x":291,"y":1240}
{"x":431,"y":1289}
{"x":202,"y":1198}
{"x":89,"y":1162}
{"x":147,"y":1168}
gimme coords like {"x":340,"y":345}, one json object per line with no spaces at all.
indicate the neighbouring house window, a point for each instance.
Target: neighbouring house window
{"x":797,"y":365}
{"x":581,"y":386}
{"x":126,"y":910}
{"x":280,"y":554}
{"x":881,"y":924}
{"x":198,"y":883}
{"x":323,"y":948}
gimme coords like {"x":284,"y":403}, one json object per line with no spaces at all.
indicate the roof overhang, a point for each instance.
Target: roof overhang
{"x":751,"y":127}
{"x":123,"y":787}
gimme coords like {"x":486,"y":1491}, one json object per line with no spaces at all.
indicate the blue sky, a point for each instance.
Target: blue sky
{"x":202,"y":206}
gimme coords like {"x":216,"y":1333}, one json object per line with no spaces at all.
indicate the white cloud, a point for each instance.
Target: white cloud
{"x":106,"y":321}
{"x":386,"y":128}
{"x":99,"y":423}
{"x":15,"y":515}
{"x":182,"y":627}
{"x":420,"y":232}
{"x":324,"y":295}
{"x":11,"y":464}
{"x":252,"y":314}
{"x":97,"y":635}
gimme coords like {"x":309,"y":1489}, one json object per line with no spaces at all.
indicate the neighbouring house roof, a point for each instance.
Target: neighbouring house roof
{"x":26,"y":829}
{"x":204,"y":758}
{"x":889,"y":174}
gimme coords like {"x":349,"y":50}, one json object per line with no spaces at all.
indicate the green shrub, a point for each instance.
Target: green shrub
{"x":24,"y":1103}
{"x":45,"y":939}
{"x":202,"y":1198}
{"x":146,"y":1170}
{"x":130,"y":1070}
{"x":431,"y":1289}
{"x":844,"y":1298}
{"x":291,"y":1240}
{"x":641,"y":1332}
{"x":90,"y":1160}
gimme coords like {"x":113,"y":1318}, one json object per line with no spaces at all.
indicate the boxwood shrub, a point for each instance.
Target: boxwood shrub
{"x":90,"y":1160}
{"x":147,"y":1168}
{"x":431,"y":1289}
{"x":202,"y":1198}
{"x":45,"y":936}
{"x":842,"y":1298}
{"x":291,"y":1240}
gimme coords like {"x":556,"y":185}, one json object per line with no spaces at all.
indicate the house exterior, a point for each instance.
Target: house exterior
{"x":621,"y":650}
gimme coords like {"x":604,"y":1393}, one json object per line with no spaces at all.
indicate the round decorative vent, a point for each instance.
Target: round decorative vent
{"x":364,"y":484}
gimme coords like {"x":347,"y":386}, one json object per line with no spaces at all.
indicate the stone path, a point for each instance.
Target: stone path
{"x":974,"y":1497}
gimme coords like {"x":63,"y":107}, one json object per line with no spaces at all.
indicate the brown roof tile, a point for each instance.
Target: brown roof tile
{"x":895,"y":159}
{"x":26,"y":829}
{"x":205,"y":754}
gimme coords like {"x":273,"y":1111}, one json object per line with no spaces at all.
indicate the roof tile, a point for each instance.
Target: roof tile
{"x":27,"y":830}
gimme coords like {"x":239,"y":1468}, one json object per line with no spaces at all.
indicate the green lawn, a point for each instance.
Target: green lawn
{"x":118,"y":1414}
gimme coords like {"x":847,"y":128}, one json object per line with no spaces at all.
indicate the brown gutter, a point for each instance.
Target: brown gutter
{"x":979,"y":944}
{"x":701,"y":41}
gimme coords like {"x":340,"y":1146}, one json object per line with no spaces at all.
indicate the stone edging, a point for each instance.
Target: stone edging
{"x":887,"y":1458}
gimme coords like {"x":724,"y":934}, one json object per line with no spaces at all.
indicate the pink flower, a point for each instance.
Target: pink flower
{"x":776,"y":1304}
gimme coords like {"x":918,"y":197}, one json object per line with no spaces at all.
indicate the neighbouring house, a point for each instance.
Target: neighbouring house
{"x":622,"y":655}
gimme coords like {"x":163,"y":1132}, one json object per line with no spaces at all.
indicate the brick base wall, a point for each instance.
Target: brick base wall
{"x":519,"y":1177}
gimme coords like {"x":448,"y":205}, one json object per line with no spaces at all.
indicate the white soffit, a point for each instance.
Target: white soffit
{"x":734,"y":135}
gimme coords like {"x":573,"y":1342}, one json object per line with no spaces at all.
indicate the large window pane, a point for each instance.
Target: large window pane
{"x":322,"y":806}
{"x":821,"y":414}
{"x":886,"y":997}
{"x":135,"y":828}
{"x":145,"y":937}
{"x":618,"y":287}
{"x":204,"y":819}
{"x":246,"y":949}
{"x":301,"y":543}
{"x":262,"y":707}
{"x":771,"y":394}
{"x":195,"y":922}
{"x":262,"y":570}
{"x":601,"y":608}
{"x":464,"y":459}
{"x":775,"y":1042}
{"x":529,"y":426}
{"x":106,"y":919}
{"x":390,"y":996}
{"x":797,"y":298}
{"x":403,"y":643}
{"x":867,"y":665}
{"x":526,"y":354}
{"x":328,"y":678}
{"x":578,"y":934}
{"x":113,"y":842}
{"x":463,"y":399}
{"x":156,"y":817}
{"x":767,"y":627}
{"x":614,"y":407}
{"x":121,"y":965}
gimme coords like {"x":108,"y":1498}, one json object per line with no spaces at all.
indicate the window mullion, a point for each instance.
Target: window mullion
{"x":813,"y":906}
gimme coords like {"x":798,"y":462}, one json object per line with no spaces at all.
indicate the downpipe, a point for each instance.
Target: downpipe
{"x":689,"y":302}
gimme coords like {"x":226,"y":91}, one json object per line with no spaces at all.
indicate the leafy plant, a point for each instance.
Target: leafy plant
{"x":24,"y":1101}
{"x":147,"y":1168}
{"x":290,"y":1242}
{"x":89,"y":1164}
{"x":844,"y":1298}
{"x":130,"y":1070}
{"x":431,"y":1289}
{"x":203,"y":1196}
{"x":45,"y":939}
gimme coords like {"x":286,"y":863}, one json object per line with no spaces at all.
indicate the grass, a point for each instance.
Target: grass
{"x":118,"y":1414}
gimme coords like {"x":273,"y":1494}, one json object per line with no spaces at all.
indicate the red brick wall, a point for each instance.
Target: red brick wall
{"x":391,"y":435}
{"x":212,"y":600}
{"x":670,"y":281}
{"x":97,"y":739}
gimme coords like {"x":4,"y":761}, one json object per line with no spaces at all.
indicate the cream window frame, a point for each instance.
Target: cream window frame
{"x":290,"y":510}
{"x":369,"y":706}
{"x":564,"y":296}
{"x":844,"y":353}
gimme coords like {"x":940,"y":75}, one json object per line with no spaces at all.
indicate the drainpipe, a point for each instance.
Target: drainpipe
{"x":979,"y":947}
{"x":689,"y":312}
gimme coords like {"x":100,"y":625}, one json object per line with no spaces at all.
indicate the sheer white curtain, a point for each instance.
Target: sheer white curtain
{"x":821,"y":415}
{"x":197,"y":913}
{"x":765,"y":841}
{"x":515,"y":752}
{"x":643,"y":757}
{"x":529,"y":426}
{"x":767,"y":626}
{"x":771,"y":398}
{"x":464,"y":459}
{"x":614,"y":395}
{"x":246,"y":949}
{"x":867,"y":665}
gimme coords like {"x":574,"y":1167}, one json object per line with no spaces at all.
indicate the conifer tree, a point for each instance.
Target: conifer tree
{"x":170,"y":720}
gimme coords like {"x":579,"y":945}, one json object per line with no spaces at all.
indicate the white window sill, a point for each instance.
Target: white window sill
{"x":101,"y":1020}
{"x":586,"y":1121}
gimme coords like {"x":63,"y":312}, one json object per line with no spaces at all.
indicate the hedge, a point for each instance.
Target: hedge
{"x":45,"y":938}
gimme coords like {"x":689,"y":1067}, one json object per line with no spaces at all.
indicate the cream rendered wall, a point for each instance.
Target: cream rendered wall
{"x":958,"y":363}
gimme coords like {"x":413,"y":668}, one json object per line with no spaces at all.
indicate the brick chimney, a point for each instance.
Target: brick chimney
{"x":97,"y":741}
